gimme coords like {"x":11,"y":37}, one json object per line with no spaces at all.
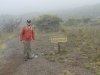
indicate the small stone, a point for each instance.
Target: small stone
{"x":66,"y":60}
{"x":36,"y":56}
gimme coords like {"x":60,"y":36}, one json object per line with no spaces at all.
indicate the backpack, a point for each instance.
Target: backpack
{"x":27,"y":29}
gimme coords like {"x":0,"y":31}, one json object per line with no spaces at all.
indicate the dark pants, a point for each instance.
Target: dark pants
{"x":27,"y":49}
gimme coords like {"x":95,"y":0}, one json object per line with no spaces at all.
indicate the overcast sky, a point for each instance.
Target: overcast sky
{"x":26,"y":6}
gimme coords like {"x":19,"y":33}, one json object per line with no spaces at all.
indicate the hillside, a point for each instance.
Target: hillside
{"x":92,"y":11}
{"x":80,"y":55}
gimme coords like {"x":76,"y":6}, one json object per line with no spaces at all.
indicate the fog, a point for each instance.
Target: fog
{"x":25,"y":6}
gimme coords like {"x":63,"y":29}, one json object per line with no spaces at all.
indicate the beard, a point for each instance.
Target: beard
{"x":28,"y":24}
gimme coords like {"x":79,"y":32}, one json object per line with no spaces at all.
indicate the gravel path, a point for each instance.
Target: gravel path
{"x":12,"y":62}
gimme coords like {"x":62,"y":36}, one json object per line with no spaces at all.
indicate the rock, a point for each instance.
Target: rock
{"x":34,"y":56}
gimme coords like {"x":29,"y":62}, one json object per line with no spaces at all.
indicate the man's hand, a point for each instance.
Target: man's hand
{"x":22,"y":41}
{"x":32,"y":40}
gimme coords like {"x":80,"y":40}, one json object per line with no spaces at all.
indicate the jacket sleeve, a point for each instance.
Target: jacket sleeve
{"x":33,"y":34}
{"x":22,"y":34}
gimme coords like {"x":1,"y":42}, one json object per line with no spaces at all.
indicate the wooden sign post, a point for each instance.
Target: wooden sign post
{"x":58,"y":47}
{"x":58,"y":39}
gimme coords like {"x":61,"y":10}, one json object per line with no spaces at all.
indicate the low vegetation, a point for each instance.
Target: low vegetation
{"x":5,"y":36}
{"x":83,"y":39}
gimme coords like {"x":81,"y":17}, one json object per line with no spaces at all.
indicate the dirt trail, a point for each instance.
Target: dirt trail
{"x":12,"y":62}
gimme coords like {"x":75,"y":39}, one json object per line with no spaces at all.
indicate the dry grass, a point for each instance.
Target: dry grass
{"x":85,"y":39}
{"x":66,"y":72}
{"x":5,"y":36}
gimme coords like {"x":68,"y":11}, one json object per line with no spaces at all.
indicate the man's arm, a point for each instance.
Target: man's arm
{"x":33,"y":34}
{"x":21,"y":34}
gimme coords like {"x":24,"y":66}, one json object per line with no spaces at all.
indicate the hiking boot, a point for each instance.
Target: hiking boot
{"x":25,"y":59}
{"x":29,"y":58}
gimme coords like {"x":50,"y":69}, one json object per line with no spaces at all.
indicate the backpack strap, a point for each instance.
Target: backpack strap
{"x":26,"y":29}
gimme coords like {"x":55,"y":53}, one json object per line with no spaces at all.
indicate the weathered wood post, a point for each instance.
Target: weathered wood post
{"x":58,"y":47}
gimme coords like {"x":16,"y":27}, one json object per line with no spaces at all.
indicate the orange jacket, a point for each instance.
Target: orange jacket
{"x":27,"y":34}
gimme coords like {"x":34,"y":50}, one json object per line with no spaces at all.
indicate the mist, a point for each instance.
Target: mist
{"x":15,"y":7}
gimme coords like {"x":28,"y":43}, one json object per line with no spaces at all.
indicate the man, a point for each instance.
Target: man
{"x":26,"y":37}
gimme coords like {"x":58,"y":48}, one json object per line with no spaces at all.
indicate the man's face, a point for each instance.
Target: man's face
{"x":28,"y":23}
